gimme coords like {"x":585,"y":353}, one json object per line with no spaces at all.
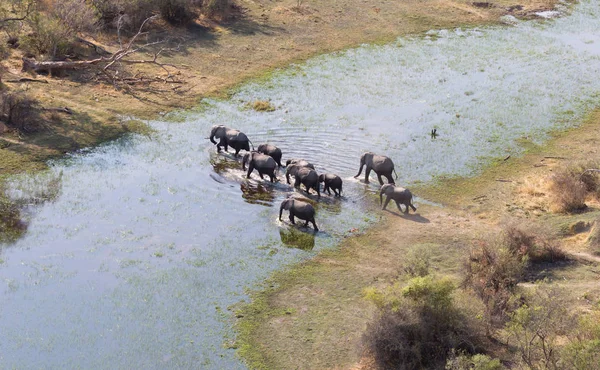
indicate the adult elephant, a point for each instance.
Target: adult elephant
{"x":293,"y":165}
{"x":398,"y":194}
{"x":303,"y":210}
{"x":382,"y":165}
{"x":264,"y":164}
{"x":229,"y":137}
{"x":270,"y":150}
{"x":305,"y":176}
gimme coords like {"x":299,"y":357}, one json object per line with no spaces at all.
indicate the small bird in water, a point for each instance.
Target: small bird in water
{"x":434,"y":133}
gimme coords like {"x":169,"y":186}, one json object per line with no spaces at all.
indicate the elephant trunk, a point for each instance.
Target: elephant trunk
{"x":381,"y":197}
{"x":244,"y":160}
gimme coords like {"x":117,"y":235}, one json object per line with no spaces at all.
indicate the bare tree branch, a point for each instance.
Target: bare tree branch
{"x":108,"y":65}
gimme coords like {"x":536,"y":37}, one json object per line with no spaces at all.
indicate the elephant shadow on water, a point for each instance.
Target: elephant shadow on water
{"x":295,"y":238}
{"x":257,"y":193}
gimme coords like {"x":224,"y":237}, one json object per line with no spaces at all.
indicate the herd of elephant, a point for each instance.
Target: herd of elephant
{"x":266,"y":158}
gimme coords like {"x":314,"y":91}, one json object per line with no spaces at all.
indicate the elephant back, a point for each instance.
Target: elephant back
{"x":382,"y":161}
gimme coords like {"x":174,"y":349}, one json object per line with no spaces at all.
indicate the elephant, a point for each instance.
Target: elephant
{"x":300,"y":162}
{"x":303,"y":210}
{"x":305,"y":176}
{"x":399,"y":194}
{"x":229,"y":137}
{"x":382,"y":165}
{"x":331,"y":182}
{"x":294,"y":165}
{"x":264,"y":164}
{"x":271,"y":150}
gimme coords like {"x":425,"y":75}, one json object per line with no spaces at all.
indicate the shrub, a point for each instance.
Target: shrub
{"x":417,"y":325}
{"x":583,"y":350}
{"x":12,"y":224}
{"x":533,"y":241}
{"x":475,"y":362}
{"x":535,"y":329}
{"x":19,"y":111}
{"x":416,"y":262}
{"x":567,"y":192}
{"x":218,"y":8}
{"x":493,"y":272}
{"x":176,"y":11}
{"x":594,"y":238}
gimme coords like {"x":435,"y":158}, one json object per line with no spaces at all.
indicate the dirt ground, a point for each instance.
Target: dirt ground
{"x":312,"y":315}
{"x":214,"y":57}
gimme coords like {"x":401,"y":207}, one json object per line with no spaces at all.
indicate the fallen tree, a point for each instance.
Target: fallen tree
{"x":110,"y":65}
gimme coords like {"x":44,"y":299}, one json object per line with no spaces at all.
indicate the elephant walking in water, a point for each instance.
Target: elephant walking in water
{"x":398,"y":194}
{"x":270,"y":150}
{"x":333,"y":182}
{"x":303,"y":210}
{"x":382,"y":165}
{"x":229,"y":137}
{"x":264,"y":164}
{"x":305,"y":176}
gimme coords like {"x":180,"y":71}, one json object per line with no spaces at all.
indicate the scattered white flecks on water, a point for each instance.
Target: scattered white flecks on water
{"x":134,"y":250}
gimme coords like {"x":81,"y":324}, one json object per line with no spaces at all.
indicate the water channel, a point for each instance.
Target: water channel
{"x":148,"y":239}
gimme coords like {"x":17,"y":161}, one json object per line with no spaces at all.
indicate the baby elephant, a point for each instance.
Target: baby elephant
{"x":333,"y":182}
{"x":305,"y":176}
{"x":398,"y":194}
{"x":302,"y":210}
{"x":264,"y":164}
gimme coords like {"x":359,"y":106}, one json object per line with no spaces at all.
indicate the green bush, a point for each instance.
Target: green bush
{"x":583,"y":350}
{"x":474,"y":362}
{"x":418,"y":325}
{"x":417,"y":262}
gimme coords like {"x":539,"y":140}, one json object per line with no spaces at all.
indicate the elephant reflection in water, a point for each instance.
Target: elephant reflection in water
{"x":295,"y":238}
{"x":12,"y":223}
{"x":256,"y":193}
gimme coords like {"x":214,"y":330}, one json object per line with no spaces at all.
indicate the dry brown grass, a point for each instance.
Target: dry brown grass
{"x":567,"y":192}
{"x":593,"y":240}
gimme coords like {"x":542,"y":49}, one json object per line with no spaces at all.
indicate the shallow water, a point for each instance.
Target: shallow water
{"x":149,"y":240}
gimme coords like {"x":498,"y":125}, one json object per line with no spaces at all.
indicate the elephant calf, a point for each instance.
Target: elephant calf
{"x":294,"y":165}
{"x":270,"y":150}
{"x":302,"y":210}
{"x":333,"y":182}
{"x":398,"y":194}
{"x":264,"y":164}
{"x":229,"y":137}
{"x":305,"y":176}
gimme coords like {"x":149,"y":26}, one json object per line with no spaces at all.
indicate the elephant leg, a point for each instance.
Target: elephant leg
{"x":336,"y":192}
{"x":261,"y":175}
{"x":380,"y":179}
{"x":328,"y":190}
{"x":389,"y":178}
{"x":287,"y":177}
{"x":399,"y":208}
{"x":314,"y":225}
{"x":307,"y":188}
{"x":406,"y":205}
{"x":250,"y":169}
{"x":306,"y":224}
{"x":367,"y":173}
{"x":413,"y":207}
{"x":237,"y":150}
{"x":292,"y":218}
{"x":272,"y":176}
{"x":297,"y":182}
{"x":318,"y":191}
{"x":387,"y":200}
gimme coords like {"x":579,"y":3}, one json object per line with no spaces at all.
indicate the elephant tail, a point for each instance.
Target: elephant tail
{"x":395,"y":173}
{"x":251,"y":144}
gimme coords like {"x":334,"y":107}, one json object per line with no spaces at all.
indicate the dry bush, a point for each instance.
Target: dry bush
{"x":594,"y":238}
{"x":19,"y":111}
{"x":417,"y":262}
{"x":474,"y":362}
{"x":567,"y":192}
{"x":591,"y":179}
{"x":177,"y":12}
{"x":216,"y":8}
{"x":418,"y":326}
{"x":533,"y":241}
{"x":493,"y":271}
